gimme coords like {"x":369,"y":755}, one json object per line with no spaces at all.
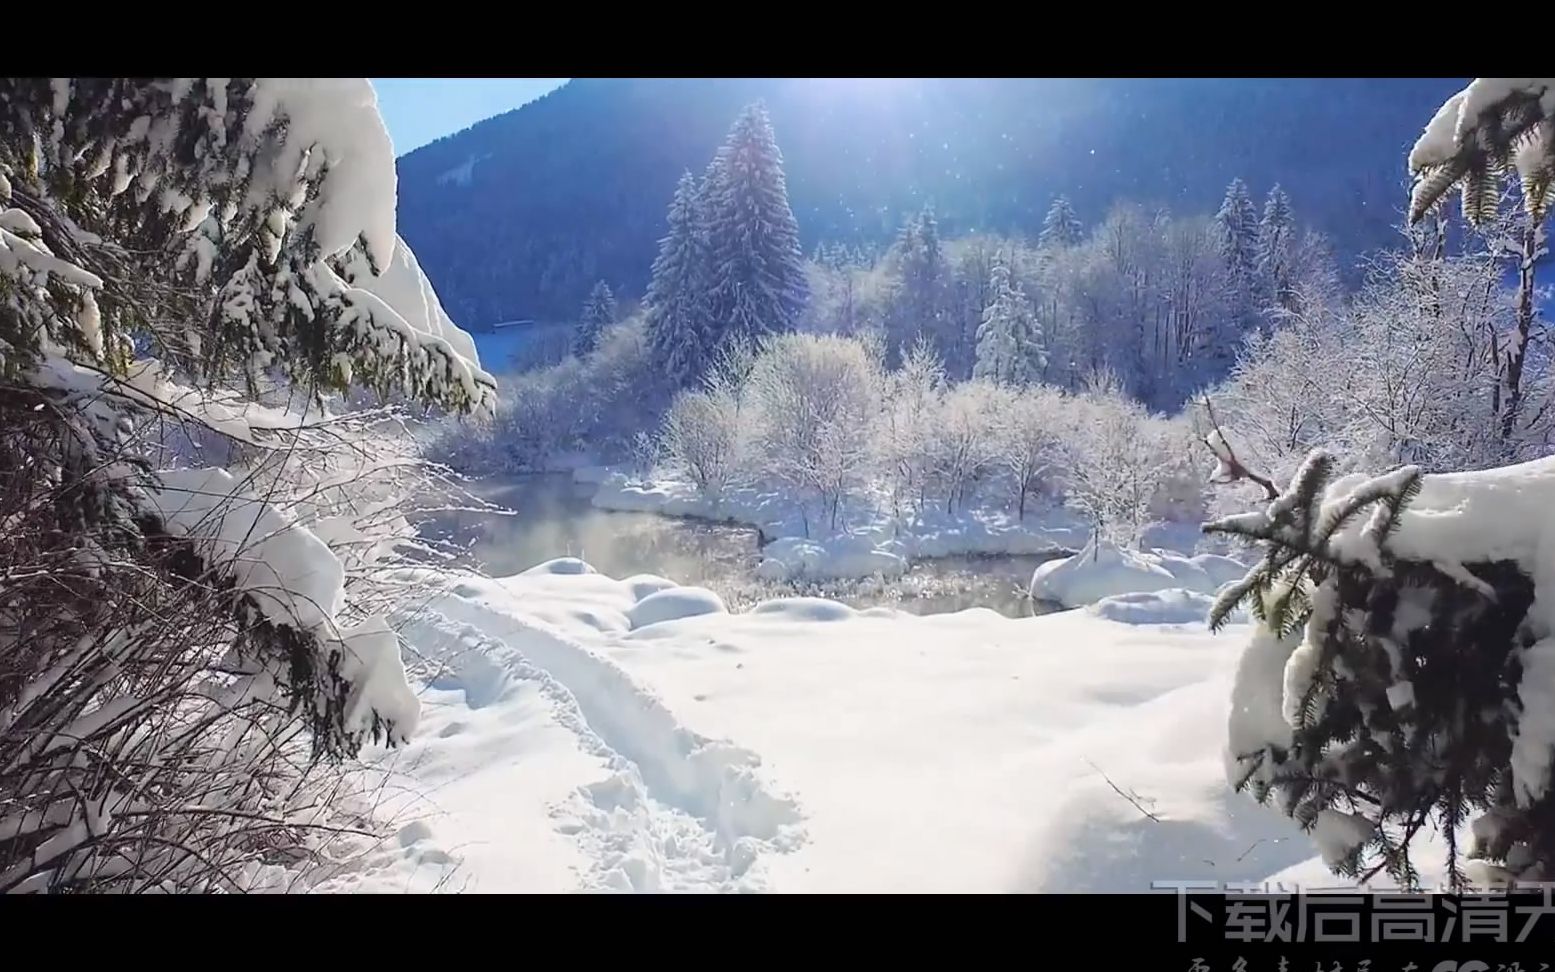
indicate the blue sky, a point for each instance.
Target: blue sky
{"x":422,"y":110}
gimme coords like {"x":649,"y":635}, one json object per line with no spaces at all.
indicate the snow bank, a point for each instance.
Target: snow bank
{"x":1104,"y":570}
{"x":674,"y":604}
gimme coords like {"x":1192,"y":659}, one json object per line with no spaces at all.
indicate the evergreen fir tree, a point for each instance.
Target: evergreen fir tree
{"x":1061,"y":227}
{"x":1380,"y":694}
{"x":757,"y":279}
{"x":1236,"y":225}
{"x":1010,"y":345}
{"x":1237,"y":222}
{"x":676,"y":301}
{"x":918,"y":310}
{"x":599,"y":313}
{"x":1275,"y":232}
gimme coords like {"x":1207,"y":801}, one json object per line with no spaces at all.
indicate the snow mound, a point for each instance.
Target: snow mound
{"x":1104,"y":570}
{"x":857,"y":556}
{"x":1171,"y":606}
{"x":674,"y":604}
{"x":561,"y":565}
{"x":805,"y":609}
{"x":642,"y":585}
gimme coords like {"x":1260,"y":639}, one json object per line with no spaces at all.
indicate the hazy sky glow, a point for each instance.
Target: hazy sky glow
{"x":422,"y":110}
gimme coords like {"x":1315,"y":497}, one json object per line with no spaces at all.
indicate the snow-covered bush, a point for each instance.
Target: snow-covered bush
{"x":909,"y":410}
{"x":1113,"y":456}
{"x":205,"y":260}
{"x":1411,"y":371}
{"x":813,"y":402}
{"x":602,"y":401}
{"x":1029,"y":439}
{"x":963,"y":444}
{"x":701,"y":439}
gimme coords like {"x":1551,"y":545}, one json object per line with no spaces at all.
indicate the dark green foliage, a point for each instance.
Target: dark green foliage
{"x":1411,"y":707}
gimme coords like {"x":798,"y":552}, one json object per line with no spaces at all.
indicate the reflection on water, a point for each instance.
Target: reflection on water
{"x":553,"y":518}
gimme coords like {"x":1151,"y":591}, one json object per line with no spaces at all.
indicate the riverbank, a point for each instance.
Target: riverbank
{"x":551,"y":514}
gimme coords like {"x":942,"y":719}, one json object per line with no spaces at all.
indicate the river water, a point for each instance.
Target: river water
{"x":552,"y":517}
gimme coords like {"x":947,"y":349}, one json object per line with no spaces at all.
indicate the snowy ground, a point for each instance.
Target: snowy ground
{"x":589,"y":733}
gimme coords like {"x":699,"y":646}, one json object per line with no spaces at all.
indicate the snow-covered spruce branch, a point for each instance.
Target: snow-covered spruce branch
{"x":192,"y":597}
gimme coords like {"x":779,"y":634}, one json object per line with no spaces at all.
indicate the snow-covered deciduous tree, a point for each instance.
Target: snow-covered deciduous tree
{"x":1112,"y":457}
{"x":964,"y":445}
{"x":1411,"y":371}
{"x":678,"y":291}
{"x":1010,"y":345}
{"x":757,"y":278}
{"x":208,"y":258}
{"x":909,"y":412}
{"x":1029,"y":437}
{"x":701,"y":438}
{"x":599,"y":314}
{"x":814,"y":401}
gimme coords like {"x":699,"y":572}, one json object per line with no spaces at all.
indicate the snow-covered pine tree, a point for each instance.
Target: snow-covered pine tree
{"x":1010,"y":348}
{"x":599,"y":313}
{"x":1236,"y":226}
{"x":1380,"y":694}
{"x":918,"y":304}
{"x":170,"y":249}
{"x":678,"y":292}
{"x":1061,"y":226}
{"x":1276,"y":231}
{"x":757,"y":270}
{"x":1237,"y":221}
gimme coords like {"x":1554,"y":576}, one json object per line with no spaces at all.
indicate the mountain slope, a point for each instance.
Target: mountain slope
{"x":519,"y":215}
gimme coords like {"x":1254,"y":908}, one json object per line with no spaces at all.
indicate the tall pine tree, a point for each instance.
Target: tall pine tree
{"x":1236,"y":226}
{"x":1237,"y":222}
{"x":756,"y":268}
{"x":1061,"y":227}
{"x":919,"y":308}
{"x":1275,"y":233}
{"x":678,"y":291}
{"x":599,"y":312}
{"x":1010,"y":346}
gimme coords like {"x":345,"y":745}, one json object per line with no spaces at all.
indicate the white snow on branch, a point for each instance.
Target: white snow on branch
{"x":294,"y":580}
{"x":1338,"y":834}
{"x":333,"y":122}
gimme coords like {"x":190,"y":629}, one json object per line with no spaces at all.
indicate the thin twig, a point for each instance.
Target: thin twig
{"x":1120,"y":793}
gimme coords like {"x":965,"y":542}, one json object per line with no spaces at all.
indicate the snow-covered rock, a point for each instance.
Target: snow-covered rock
{"x":673,"y":604}
{"x":561,"y":565}
{"x":794,"y":558}
{"x":1103,"y":570}
{"x":1171,"y":606}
